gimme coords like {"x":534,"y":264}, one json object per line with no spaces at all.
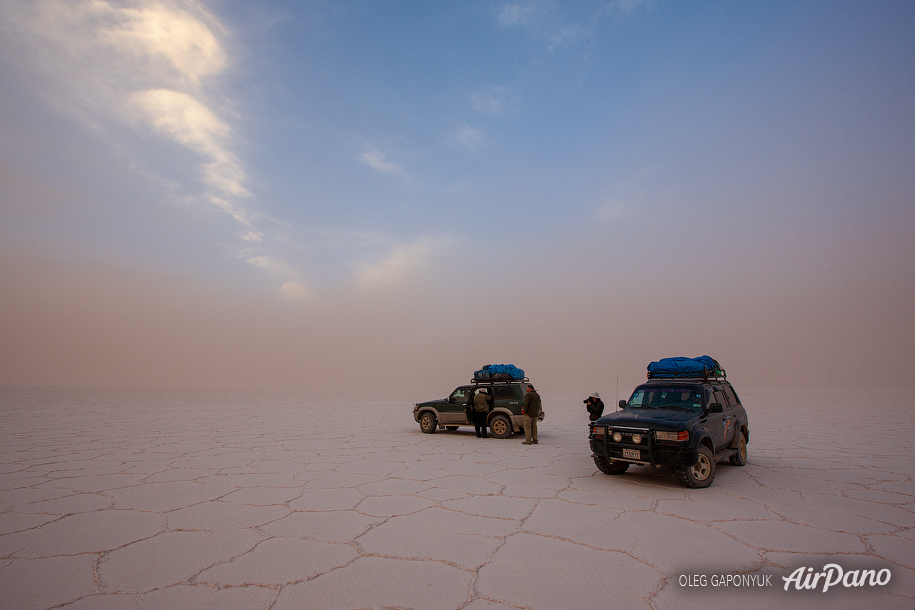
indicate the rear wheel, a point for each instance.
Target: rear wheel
{"x":609,"y":467}
{"x":702,"y":474}
{"x":740,"y":458}
{"x":428,"y":422}
{"x":500,"y":426}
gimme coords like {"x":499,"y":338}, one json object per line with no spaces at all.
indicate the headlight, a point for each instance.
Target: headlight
{"x":636,"y":438}
{"x":663,"y":435}
{"x":617,"y":437}
{"x":599,"y":431}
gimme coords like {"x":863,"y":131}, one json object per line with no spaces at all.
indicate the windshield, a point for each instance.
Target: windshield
{"x":666,"y":398}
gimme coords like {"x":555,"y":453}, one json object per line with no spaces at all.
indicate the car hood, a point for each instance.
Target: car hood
{"x":432,"y":403}
{"x":648,"y":417}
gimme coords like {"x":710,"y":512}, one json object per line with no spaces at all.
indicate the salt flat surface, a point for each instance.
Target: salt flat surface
{"x":117,"y":499}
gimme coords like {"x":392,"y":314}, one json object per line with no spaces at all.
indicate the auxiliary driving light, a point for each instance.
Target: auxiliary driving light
{"x":617,"y":437}
{"x":636,"y":438}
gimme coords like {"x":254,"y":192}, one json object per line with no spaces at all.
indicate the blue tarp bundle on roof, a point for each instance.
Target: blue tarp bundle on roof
{"x":684,"y":366}
{"x":490,"y":370}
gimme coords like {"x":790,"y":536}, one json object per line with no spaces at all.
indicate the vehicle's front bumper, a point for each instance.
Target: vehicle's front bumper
{"x":653,"y":454}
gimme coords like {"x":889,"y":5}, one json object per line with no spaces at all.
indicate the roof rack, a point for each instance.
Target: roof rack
{"x":497,"y":381}
{"x":718,"y":374}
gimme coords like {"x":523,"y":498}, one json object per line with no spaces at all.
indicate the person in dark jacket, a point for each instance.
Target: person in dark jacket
{"x":482,"y":403}
{"x":531,"y":409}
{"x":595,"y":406}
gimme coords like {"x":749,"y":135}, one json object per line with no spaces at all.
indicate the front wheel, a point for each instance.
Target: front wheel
{"x":740,"y":458}
{"x":702,"y":473}
{"x":500,"y":426}
{"x":428,"y":423}
{"x":609,"y":467}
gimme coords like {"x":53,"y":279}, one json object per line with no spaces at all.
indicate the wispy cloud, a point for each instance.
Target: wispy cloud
{"x":148,"y":63}
{"x":185,"y":120}
{"x":516,"y":14}
{"x":543,"y":18}
{"x":403,"y":262}
{"x":472,"y":138}
{"x":158,"y":33}
{"x":295,"y":291}
{"x":293,"y":287}
{"x":377,"y":161}
{"x":493,"y":102}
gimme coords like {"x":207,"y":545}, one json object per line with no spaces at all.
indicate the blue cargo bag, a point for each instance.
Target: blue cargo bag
{"x":684,"y":367}
{"x":499,"y":371}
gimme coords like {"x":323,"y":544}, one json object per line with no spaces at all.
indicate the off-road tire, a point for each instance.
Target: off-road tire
{"x":428,"y":423}
{"x":500,"y":426}
{"x":608,"y":467}
{"x":740,"y":458}
{"x":702,"y":474}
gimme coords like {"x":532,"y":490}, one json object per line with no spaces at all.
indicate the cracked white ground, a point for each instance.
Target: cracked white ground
{"x":180,"y":499}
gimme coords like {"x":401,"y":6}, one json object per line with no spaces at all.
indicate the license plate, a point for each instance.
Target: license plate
{"x":632,"y":454}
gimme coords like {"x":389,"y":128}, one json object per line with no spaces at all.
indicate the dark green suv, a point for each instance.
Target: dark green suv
{"x":687,"y":423}
{"x":455,"y":411}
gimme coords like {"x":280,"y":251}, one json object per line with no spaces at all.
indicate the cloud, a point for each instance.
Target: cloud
{"x":543,"y":18}
{"x":515,"y":14}
{"x":404,"y":261}
{"x":240,"y":215}
{"x":376,"y":160}
{"x":490,"y":103}
{"x":272,"y":265}
{"x":472,"y":138}
{"x":150,"y":62}
{"x":295,"y":291}
{"x":170,"y":34}
{"x":183,"y":119}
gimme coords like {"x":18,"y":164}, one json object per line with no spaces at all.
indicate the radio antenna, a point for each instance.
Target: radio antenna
{"x":617,"y":389}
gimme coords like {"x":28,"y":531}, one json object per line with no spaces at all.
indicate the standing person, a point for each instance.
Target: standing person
{"x":595,"y":406}
{"x":481,"y":404}
{"x":531,"y":410}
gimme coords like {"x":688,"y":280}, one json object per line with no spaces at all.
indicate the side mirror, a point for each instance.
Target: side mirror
{"x":715,"y":407}
{"x":623,"y":404}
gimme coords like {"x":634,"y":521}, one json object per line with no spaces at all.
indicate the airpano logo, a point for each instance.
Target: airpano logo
{"x":833,"y":575}
{"x":831,"y":578}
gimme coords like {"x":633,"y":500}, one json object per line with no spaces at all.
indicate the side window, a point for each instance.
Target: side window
{"x":709,"y":396}
{"x":719,"y":397}
{"x":503,"y":392}
{"x":731,"y":396}
{"x":459,"y":395}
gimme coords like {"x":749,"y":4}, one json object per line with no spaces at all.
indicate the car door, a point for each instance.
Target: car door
{"x":720,"y":425}
{"x":455,"y":411}
{"x":734,"y":410}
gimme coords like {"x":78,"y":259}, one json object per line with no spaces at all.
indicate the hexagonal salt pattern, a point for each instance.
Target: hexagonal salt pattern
{"x":116,"y":499}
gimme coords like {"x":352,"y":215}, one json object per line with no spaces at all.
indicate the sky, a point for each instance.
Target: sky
{"x":394,"y":194}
